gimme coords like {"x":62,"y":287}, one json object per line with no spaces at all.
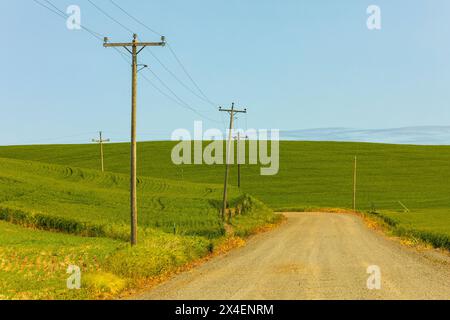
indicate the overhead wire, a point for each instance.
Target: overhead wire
{"x":54,"y":9}
{"x":179,"y":80}
{"x":110,"y":17}
{"x":49,"y":8}
{"x":135,"y":19}
{"x":64,"y":15}
{"x":205,"y":97}
{"x":189,"y":76}
{"x":180,"y":101}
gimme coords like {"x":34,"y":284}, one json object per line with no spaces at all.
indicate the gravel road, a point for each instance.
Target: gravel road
{"x":314,"y":256}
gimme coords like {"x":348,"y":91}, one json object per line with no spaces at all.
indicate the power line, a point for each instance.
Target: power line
{"x":168,"y":88}
{"x":179,"y":81}
{"x":110,"y":17}
{"x":64,"y":15}
{"x":124,"y":56}
{"x":188,"y":75}
{"x":164,"y":66}
{"x":178,"y":100}
{"x":163,"y":93}
{"x":132,"y":17}
{"x":202,"y":96}
{"x":50,"y":9}
{"x":205,"y":97}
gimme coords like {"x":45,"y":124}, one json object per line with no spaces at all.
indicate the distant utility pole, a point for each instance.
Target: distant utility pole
{"x":134,"y":45}
{"x":101,"y":141}
{"x":354,"y":185}
{"x":232,"y":113}
{"x":238,"y":138}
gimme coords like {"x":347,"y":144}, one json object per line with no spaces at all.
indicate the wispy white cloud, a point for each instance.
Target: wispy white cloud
{"x":425,"y":135}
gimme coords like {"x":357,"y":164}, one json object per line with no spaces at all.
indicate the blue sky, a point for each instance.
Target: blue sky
{"x":294,"y":64}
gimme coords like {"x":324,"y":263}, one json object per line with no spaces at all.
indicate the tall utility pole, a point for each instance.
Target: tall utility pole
{"x":134,"y":45}
{"x":238,"y":138}
{"x":238,"y":160}
{"x":354,"y":185}
{"x":101,"y":141}
{"x":232,"y":113}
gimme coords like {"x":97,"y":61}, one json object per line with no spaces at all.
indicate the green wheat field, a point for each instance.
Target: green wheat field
{"x":57,"y":208}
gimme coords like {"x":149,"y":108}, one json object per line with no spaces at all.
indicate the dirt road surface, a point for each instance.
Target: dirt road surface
{"x":314,"y":256}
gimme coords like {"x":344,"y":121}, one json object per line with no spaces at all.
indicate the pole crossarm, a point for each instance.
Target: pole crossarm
{"x":135,"y":43}
{"x":100,"y":140}
{"x":232,"y":110}
{"x":138,"y":44}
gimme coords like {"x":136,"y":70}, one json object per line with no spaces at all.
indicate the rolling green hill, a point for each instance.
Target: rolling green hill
{"x":312,"y":174}
{"x":59,"y":188}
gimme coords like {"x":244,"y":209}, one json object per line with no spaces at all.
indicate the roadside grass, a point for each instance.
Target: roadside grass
{"x":430,"y":226}
{"x":33,"y":263}
{"x":254,"y":216}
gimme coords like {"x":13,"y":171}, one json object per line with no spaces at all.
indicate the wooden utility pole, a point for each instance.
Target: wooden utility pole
{"x":354,"y":185}
{"x":238,"y":138}
{"x":134,"y":45}
{"x":101,"y":141}
{"x":238,"y":160}
{"x":232,"y":113}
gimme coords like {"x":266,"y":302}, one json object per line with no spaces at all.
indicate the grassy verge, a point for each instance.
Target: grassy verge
{"x":426,"y":226}
{"x":33,"y":263}
{"x":253,"y":215}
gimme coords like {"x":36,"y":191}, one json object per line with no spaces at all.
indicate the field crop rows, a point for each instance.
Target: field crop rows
{"x":84,"y":217}
{"x":312,"y":174}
